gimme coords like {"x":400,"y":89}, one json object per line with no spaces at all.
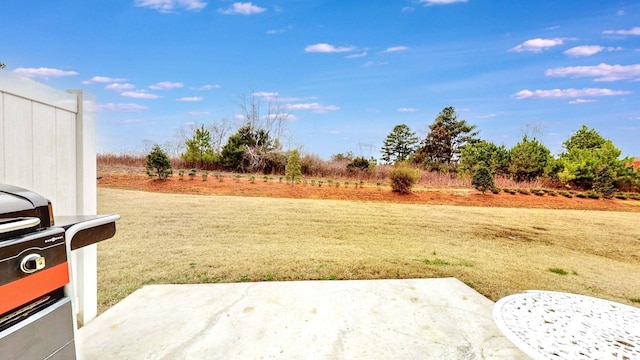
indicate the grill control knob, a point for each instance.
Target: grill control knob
{"x":32,"y":263}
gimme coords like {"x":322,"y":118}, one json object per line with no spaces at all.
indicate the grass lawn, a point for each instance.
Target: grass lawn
{"x":172,"y":238}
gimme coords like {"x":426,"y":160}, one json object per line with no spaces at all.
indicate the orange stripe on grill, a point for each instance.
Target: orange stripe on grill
{"x":20,"y":292}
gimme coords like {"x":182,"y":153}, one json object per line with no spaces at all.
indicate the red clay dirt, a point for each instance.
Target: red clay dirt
{"x":370,"y":192}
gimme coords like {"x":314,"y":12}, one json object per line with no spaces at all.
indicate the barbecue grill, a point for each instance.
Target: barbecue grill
{"x":37,"y":320}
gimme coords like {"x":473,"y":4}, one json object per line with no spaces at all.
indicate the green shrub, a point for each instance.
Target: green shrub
{"x":538,"y":192}
{"x":158,"y":163}
{"x":593,"y":195}
{"x":403,"y":178}
{"x":482,"y":179}
{"x":361,"y":164}
{"x":603,"y":183}
{"x":524,"y":191}
{"x":565,"y":194}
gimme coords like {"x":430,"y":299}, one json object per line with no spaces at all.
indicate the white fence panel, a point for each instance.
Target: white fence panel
{"x":47,"y":145}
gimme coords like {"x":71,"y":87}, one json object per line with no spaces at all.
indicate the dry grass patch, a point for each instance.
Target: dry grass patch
{"x":171,"y":238}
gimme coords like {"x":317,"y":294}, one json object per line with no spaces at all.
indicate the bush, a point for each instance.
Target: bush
{"x":603,"y":183}
{"x":158,"y":163}
{"x":403,"y":178}
{"x":361,"y":164}
{"x":483,"y":179}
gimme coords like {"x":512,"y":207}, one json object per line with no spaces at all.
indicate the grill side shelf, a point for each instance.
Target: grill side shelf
{"x":86,"y":230}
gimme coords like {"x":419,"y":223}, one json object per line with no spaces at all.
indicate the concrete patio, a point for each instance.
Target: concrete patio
{"x":363,"y":319}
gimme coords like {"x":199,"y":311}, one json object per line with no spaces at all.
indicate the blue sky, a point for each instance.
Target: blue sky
{"x":345,"y":72}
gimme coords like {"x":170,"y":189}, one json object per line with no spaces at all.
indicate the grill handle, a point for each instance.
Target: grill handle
{"x":14,"y":224}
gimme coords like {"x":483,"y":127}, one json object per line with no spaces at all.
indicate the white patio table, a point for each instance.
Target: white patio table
{"x":555,"y":325}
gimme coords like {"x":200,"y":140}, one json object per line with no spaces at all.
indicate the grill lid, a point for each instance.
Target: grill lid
{"x":22,"y":211}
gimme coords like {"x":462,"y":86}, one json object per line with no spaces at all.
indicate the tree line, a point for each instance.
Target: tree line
{"x":588,"y":161}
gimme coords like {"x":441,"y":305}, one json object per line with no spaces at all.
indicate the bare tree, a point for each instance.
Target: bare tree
{"x":220,"y":131}
{"x":146,"y":146}
{"x":272,"y":122}
{"x":173,"y":148}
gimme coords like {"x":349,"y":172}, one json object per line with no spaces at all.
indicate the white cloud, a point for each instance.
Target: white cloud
{"x":581,"y":101}
{"x":206,"y":87}
{"x":441,"y":2}
{"x":242,"y":9}
{"x":537,"y":45}
{"x":375,"y":63}
{"x":327,"y":48}
{"x":313,"y":107}
{"x":632,"y":31}
{"x":358,"y":55}
{"x":407,"y":110}
{"x":487,"y":116}
{"x":191,"y":99}
{"x":266,"y":95}
{"x":111,"y":107}
{"x":395,"y":49}
{"x":584,"y":50}
{"x":279,"y":31}
{"x":588,"y":50}
{"x":166,"y":85}
{"x":568,"y":93}
{"x":119,"y":87}
{"x":103,"y":79}
{"x":168,"y":6}
{"x":43,"y":73}
{"x":601,"y":72}
{"x":139,"y":94}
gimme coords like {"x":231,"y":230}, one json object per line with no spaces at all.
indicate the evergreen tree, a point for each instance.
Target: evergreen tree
{"x":399,"y":144}
{"x":484,"y":153}
{"x":158,"y":163}
{"x":483,"y":179}
{"x":446,"y":138}
{"x":293,"y":169}
{"x":529,"y":159}
{"x":586,"y":155}
{"x":199,"y":148}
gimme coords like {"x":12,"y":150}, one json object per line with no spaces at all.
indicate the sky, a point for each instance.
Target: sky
{"x":344,"y":72}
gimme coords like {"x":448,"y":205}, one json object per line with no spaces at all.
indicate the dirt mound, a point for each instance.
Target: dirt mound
{"x":259,"y":187}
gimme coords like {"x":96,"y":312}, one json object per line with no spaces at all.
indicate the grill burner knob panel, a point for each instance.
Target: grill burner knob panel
{"x":32,"y":263}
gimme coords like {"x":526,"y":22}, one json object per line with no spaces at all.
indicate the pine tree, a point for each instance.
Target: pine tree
{"x":293,"y":169}
{"x":446,"y":138}
{"x":399,"y":144}
{"x":199,"y":149}
{"x":483,"y":179}
{"x":158,"y":163}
